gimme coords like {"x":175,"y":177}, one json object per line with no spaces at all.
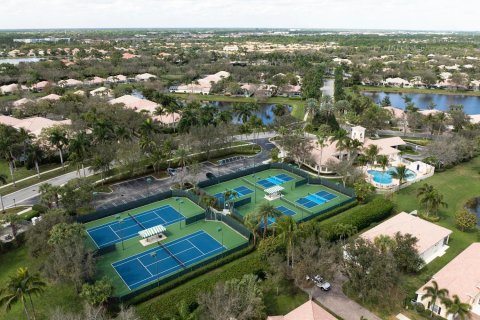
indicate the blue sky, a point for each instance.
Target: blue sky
{"x":346,"y":14}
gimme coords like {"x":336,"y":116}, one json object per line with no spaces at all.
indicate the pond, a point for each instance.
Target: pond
{"x":264,"y":112}
{"x":16,"y":61}
{"x":471,"y":104}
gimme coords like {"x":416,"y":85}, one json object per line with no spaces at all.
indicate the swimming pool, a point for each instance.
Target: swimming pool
{"x":385,"y":177}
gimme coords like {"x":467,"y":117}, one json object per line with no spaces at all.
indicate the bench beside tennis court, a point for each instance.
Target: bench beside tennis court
{"x":127,"y":228}
{"x":158,"y":262}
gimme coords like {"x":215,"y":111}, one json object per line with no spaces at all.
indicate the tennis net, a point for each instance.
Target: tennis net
{"x":294,"y":204}
{"x":164,"y":247}
{"x":252,"y":184}
{"x":138,"y":222}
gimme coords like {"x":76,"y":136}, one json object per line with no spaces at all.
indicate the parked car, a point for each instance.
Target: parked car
{"x":171,"y":171}
{"x":322,"y":283}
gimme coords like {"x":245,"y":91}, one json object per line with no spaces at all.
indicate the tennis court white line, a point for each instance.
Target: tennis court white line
{"x":121,"y":277}
{"x":195,"y":246}
{"x":170,"y":257}
{"x":167,"y":270}
{"x":114,"y":232}
{"x":145,"y":267}
{"x":136,"y":215}
{"x":96,"y":245}
{"x":166,"y":245}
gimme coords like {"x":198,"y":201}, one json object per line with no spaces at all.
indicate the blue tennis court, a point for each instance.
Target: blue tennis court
{"x":275,"y":180}
{"x":241,"y":191}
{"x":115,"y":231}
{"x":283,"y":210}
{"x":316,"y":199}
{"x":156,"y":263}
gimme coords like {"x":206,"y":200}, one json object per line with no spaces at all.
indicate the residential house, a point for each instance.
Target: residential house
{"x":432,"y":238}
{"x":21,"y":102}
{"x":145,"y":77}
{"x":291,"y":91}
{"x":475,"y":85}
{"x":139,"y":105}
{"x":460,"y":277}
{"x":39,"y":86}
{"x":96,"y":81}
{"x":397,"y":82}
{"x":310,"y":310}
{"x":35,"y":125}
{"x":120,"y":78}
{"x":321,"y":156}
{"x":201,"y":86}
{"x":11,"y":88}
{"x":69,"y":83}
{"x":101,"y":92}
{"x":50,"y":97}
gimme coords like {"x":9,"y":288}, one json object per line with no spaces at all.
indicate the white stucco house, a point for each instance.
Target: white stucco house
{"x":460,"y":277}
{"x":432,"y":239}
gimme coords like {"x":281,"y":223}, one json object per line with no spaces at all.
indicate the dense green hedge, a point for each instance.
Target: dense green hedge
{"x":165,"y":306}
{"x":361,"y":216}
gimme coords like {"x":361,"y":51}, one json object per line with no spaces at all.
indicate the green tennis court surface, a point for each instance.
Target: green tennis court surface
{"x":297,"y":202}
{"x":184,"y":247}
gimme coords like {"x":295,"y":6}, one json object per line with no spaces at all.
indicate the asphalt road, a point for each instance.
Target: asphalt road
{"x":30,"y":195}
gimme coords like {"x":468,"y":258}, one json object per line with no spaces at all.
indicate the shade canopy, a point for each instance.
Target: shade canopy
{"x":274,"y":189}
{"x":153,"y":231}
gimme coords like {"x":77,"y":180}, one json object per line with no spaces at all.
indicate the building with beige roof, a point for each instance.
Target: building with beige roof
{"x":21,"y":102}
{"x":50,"y":97}
{"x":321,"y":156}
{"x":307,"y":311}
{"x":70,"y":83}
{"x":145,"y":77}
{"x":461,"y":277}
{"x":35,"y":125}
{"x":138,"y":105}
{"x":396,"y":113}
{"x":39,"y":86}
{"x":201,"y":86}
{"x":119,"y":78}
{"x":432,"y":239}
{"x":101,"y":92}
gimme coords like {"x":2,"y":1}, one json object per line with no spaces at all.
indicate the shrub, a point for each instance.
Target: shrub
{"x":360,"y":217}
{"x":465,"y":220}
{"x":166,"y":304}
{"x":39,"y":208}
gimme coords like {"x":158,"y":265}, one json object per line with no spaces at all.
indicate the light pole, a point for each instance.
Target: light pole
{"x":14,"y":203}
{"x":154,"y":255}
{"x":94,"y":198}
{"x":220,"y":229}
{"x":149,"y":180}
{"x":1,"y":201}
{"x":120,"y":222}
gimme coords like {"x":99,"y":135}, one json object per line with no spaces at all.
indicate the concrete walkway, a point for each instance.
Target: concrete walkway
{"x":336,"y":301}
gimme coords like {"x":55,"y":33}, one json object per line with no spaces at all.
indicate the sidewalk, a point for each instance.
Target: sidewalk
{"x":31,"y":177}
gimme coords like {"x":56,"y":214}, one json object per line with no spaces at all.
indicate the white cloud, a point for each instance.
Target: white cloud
{"x":365,"y":14}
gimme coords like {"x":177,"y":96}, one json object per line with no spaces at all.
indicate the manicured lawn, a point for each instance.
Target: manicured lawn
{"x":415,"y":90}
{"x":22,"y":172}
{"x":55,"y":295}
{"x":457,"y":185}
{"x":289,"y":297}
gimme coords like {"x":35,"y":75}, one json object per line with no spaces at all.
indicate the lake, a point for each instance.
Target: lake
{"x":16,"y":61}
{"x":264,"y":112}
{"x":471,"y":104}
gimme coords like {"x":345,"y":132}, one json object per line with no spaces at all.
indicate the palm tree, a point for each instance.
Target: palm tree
{"x":35,"y":154}
{"x":78,"y":149}
{"x":352,"y":146}
{"x":57,"y":137}
{"x":13,"y":219}
{"x":252,"y":221}
{"x":208,"y":201}
{"x":434,"y":293}
{"x":372,"y":153}
{"x":8,"y":138}
{"x":341,"y":137}
{"x":156,"y":158}
{"x":148,"y":127}
{"x":3,"y":181}
{"x":50,"y":194}
{"x":265,"y":211}
{"x":20,"y":287}
{"x":171,"y":107}
{"x":311,"y":108}
{"x":384,"y":243}
{"x":321,"y":143}
{"x":400,"y":173}
{"x":383,"y":162}
{"x":430,"y":198}
{"x":442,"y":119}
{"x":25,"y":137}
{"x":229,"y":198}
{"x":287,"y":228}
{"x":244,"y":110}
{"x":457,"y":308}
{"x":182,"y":157}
